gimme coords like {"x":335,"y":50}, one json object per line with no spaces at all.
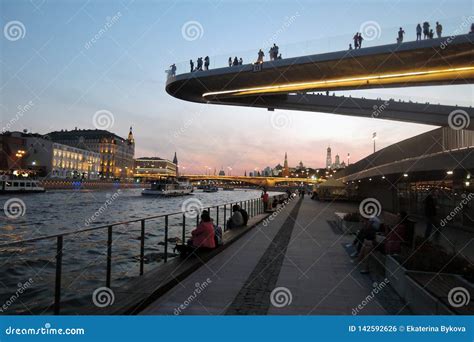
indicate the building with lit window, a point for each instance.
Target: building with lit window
{"x":154,"y":167}
{"x":116,"y":153}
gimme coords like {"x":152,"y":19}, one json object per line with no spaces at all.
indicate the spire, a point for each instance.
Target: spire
{"x":175,"y":161}
{"x":286,"y":170}
{"x":130,"y":136}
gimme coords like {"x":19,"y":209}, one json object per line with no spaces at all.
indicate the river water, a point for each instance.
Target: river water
{"x":31,"y":266}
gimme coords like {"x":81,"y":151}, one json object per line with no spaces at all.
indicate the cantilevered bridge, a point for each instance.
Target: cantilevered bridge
{"x":288,"y":83}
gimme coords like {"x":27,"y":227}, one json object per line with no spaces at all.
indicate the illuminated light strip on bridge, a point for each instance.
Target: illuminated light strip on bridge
{"x":340,"y":82}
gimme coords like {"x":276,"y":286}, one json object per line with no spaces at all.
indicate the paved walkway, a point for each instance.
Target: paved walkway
{"x":297,"y":253}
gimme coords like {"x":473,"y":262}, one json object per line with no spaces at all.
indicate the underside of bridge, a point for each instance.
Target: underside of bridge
{"x":290,"y":83}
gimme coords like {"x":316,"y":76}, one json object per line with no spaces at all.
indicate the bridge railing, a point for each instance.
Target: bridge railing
{"x":171,"y":227}
{"x":373,"y":33}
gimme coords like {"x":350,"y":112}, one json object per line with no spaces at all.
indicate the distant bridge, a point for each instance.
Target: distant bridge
{"x":259,"y":181}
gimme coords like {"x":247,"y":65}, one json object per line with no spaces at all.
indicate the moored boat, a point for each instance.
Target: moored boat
{"x":12,"y":186}
{"x":169,"y":188}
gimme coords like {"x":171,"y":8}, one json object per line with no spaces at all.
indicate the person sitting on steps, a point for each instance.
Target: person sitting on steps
{"x":236,"y":220}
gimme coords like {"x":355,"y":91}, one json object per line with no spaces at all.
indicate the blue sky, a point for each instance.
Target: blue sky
{"x":123,"y":72}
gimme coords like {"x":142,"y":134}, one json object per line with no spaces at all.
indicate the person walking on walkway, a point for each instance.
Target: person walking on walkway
{"x":439,"y":29}
{"x":206,"y":63}
{"x":400,"y":36}
{"x":191,"y":65}
{"x":418,"y":32}
{"x":426,"y":30}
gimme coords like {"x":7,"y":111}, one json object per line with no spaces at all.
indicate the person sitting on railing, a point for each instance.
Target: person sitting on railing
{"x":203,"y":235}
{"x":236,"y":220}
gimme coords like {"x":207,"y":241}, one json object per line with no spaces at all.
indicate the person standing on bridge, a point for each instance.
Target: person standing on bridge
{"x":191,"y":65}
{"x":236,"y":61}
{"x":241,"y":61}
{"x":206,"y":63}
{"x":418,"y":32}
{"x":261,"y":54}
{"x":230,"y":61}
{"x":400,"y":36}
{"x":426,"y":30}
{"x":356,"y":40}
{"x":359,"y":40}
{"x":199,"y":64}
{"x":439,"y":29}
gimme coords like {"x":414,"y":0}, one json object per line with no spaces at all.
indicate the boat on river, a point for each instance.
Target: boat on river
{"x":169,"y":188}
{"x":210,"y":188}
{"x":23,"y":186}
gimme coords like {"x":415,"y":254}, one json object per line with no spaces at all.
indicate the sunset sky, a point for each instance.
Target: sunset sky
{"x":69,"y":75}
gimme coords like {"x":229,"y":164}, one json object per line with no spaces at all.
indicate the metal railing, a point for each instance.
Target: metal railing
{"x":252,"y":206}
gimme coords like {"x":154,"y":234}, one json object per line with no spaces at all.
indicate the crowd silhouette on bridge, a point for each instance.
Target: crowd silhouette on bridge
{"x":423,"y":32}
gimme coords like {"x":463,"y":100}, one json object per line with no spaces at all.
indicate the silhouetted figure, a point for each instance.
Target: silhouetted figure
{"x":400,"y":36}
{"x":199,"y":64}
{"x":472,"y":28}
{"x":431,"y":34}
{"x":418,"y":32}
{"x":430,"y":215}
{"x":350,"y":46}
{"x":230,"y":61}
{"x":260,"y":56}
{"x":191,"y":65}
{"x":439,"y":29}
{"x":275,"y":51}
{"x":356,"y":40}
{"x":172,"y":71}
{"x":236,"y":62}
{"x":206,"y":63}
{"x":426,"y":30}
{"x":279,"y":56}
{"x":359,"y":40}
{"x":241,"y":61}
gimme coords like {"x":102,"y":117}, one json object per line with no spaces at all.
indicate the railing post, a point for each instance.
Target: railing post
{"x":225,"y":216}
{"x":109,"y":257}
{"x":217,"y":215}
{"x":184,"y":229}
{"x":142,"y":247}
{"x":166,"y":239}
{"x":59,"y":262}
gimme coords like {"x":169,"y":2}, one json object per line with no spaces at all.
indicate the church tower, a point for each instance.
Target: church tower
{"x":175,"y":161}
{"x":328,"y":158}
{"x":286,"y":170}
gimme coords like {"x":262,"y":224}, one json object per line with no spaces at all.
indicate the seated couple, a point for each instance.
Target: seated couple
{"x":239,"y":217}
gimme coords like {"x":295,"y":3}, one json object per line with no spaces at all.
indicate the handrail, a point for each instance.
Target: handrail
{"x":12,"y":243}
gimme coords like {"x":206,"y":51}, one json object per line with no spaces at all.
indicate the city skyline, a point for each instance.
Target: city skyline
{"x":95,"y":74}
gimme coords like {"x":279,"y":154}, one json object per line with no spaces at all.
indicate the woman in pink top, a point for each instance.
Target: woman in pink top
{"x":203,"y":235}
